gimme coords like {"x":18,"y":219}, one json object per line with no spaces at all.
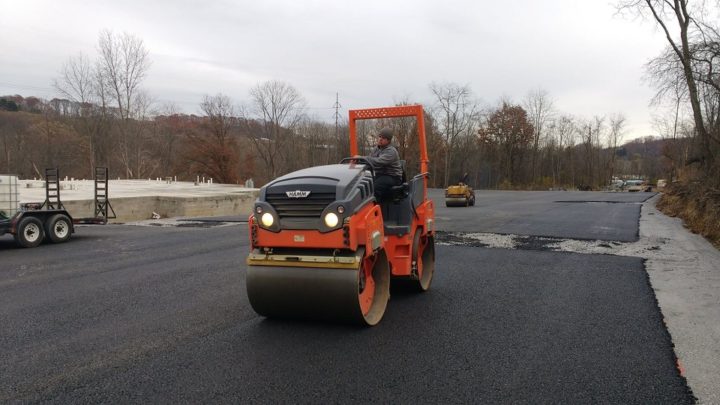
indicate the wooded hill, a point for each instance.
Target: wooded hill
{"x":499,"y":152}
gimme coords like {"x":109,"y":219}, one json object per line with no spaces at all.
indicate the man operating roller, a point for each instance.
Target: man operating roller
{"x":385,"y":161}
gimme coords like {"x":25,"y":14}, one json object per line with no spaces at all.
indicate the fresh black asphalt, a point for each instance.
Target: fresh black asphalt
{"x":563,"y":214}
{"x":153,"y":314}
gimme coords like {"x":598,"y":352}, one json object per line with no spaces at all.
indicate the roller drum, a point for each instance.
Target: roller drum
{"x":456,"y":201}
{"x":321,"y":293}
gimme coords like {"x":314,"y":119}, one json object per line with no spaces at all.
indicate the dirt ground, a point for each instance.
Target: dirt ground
{"x":697,"y":204}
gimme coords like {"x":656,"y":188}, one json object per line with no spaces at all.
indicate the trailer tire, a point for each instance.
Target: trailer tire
{"x":58,"y":228}
{"x":29,"y":232}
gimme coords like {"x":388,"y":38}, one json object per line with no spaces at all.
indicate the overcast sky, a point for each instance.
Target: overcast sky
{"x":373,"y":53}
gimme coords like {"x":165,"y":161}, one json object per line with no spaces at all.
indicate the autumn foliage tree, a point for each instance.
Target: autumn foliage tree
{"x":509,"y":130}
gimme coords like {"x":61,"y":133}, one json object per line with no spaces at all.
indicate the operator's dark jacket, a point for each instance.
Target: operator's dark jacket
{"x":386,"y":162}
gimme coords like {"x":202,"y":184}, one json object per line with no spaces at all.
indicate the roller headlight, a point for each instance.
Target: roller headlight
{"x":331,"y":219}
{"x":267,"y":219}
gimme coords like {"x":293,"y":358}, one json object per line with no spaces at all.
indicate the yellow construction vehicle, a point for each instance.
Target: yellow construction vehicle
{"x":459,"y":195}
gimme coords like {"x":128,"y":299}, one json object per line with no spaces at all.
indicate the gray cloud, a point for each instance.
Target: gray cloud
{"x":371,"y":52}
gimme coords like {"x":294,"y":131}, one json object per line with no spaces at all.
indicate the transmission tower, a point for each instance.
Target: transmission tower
{"x":337,"y":106}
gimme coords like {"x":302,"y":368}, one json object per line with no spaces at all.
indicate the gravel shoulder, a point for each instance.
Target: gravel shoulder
{"x":685,"y":274}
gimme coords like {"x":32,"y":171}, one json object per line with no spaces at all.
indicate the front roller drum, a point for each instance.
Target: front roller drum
{"x":457,"y":202}
{"x":356,"y":295}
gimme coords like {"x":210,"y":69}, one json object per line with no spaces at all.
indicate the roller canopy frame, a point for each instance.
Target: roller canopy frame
{"x":393,"y":112}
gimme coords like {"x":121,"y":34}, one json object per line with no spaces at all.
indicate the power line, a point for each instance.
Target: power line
{"x":26,"y":86}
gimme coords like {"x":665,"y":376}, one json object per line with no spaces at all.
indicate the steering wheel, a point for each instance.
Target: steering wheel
{"x":360,"y":160}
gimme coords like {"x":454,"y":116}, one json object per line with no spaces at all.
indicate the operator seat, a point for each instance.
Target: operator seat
{"x":400,"y":191}
{"x":397,"y":212}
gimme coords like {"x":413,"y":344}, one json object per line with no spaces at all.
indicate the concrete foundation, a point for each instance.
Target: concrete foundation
{"x":136,"y":200}
{"x":139,"y":208}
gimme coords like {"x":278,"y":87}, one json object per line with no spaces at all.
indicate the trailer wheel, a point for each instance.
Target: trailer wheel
{"x":58,"y":228}
{"x":29,"y":232}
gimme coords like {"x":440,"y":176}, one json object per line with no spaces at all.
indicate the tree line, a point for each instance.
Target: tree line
{"x":103,"y":117}
{"x":498,"y":148}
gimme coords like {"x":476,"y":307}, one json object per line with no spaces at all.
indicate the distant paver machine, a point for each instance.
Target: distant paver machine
{"x":32,"y":223}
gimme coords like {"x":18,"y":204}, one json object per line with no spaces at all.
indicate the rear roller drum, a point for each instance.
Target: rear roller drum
{"x":422,"y":266}
{"x":356,"y":295}
{"x":423,"y":256}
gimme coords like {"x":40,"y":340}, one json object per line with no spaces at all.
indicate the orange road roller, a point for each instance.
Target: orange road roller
{"x":323,"y":248}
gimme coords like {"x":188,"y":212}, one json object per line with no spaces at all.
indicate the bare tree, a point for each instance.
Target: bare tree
{"x":456,"y":115}
{"x":617,"y":125}
{"x":562,"y":129}
{"x":77,"y":80}
{"x":167,"y":130}
{"x":539,"y":107}
{"x":278,"y":107}
{"x":319,"y":141}
{"x":122,"y":66}
{"x":681,"y":25}
{"x":134,"y":150}
{"x":13,"y":130}
{"x":590,"y":133}
{"x":213,"y":148}
{"x":221,"y":115}
{"x":80,"y":82}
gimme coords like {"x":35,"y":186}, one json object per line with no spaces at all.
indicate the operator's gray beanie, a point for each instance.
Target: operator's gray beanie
{"x":386,"y":133}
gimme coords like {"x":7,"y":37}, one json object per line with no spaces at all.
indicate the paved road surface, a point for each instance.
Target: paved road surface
{"x":147,"y":314}
{"x":565,"y":214}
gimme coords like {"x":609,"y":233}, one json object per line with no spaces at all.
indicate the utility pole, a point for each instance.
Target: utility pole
{"x":336,"y":106}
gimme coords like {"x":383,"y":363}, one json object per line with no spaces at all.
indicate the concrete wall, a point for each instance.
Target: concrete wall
{"x":141,"y":208}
